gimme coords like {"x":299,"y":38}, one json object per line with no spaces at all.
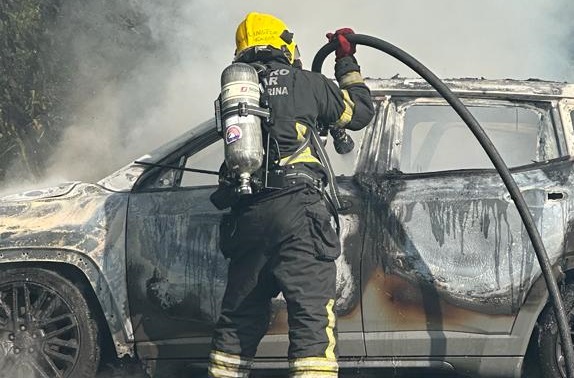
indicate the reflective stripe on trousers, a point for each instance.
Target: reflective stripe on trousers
{"x":313,"y":367}
{"x":224,"y":365}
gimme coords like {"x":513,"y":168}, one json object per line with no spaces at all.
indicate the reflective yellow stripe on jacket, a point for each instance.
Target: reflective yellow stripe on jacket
{"x":305,"y":156}
{"x":347,"y":115}
{"x":350,"y":78}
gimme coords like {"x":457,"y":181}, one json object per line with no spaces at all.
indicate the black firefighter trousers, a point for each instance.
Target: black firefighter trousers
{"x":282,"y":242}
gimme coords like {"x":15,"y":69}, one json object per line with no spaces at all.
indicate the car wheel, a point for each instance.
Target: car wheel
{"x":46,"y":329}
{"x":552,"y":361}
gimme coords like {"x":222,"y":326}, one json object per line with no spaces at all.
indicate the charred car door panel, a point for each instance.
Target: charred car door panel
{"x":446,"y":250}
{"x":177,"y":275}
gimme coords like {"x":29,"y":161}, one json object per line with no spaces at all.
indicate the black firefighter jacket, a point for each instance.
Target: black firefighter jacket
{"x":300,"y":99}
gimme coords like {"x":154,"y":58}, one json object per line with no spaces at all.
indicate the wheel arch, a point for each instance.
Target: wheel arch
{"x":537,"y":301}
{"x":84,"y":273}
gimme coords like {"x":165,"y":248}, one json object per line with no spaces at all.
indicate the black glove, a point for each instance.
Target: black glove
{"x":342,"y":141}
{"x":345,"y":47}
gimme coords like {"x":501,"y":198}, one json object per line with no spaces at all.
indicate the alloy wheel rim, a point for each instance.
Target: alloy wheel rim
{"x":39,"y":333}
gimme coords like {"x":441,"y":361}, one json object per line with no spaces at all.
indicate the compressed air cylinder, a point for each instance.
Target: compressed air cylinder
{"x":242,"y":133}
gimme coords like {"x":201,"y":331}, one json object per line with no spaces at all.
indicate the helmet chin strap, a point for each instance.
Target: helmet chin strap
{"x":261,"y":53}
{"x":287,"y":53}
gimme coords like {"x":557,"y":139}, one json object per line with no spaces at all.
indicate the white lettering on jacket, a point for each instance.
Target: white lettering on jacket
{"x":277,"y":91}
{"x":270,"y":81}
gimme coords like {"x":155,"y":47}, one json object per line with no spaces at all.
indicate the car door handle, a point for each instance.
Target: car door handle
{"x":550,"y":195}
{"x":555,"y":195}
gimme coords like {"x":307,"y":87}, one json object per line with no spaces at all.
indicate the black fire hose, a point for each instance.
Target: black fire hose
{"x":496,"y":159}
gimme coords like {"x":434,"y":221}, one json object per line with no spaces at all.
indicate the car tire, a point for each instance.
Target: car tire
{"x":46,"y":327}
{"x":549,"y":344}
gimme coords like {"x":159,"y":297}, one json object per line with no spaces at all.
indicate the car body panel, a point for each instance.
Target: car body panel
{"x":446,"y":258}
{"x":462,"y":238}
{"x":177,"y":275}
{"x":82,"y":225}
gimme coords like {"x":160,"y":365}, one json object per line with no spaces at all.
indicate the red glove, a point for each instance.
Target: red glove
{"x":345,"y":47}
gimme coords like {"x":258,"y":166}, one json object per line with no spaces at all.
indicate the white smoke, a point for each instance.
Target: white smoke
{"x":168,"y":82}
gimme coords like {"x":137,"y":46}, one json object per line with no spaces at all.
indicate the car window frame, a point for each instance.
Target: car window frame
{"x":184,"y":163}
{"x":565,"y":114}
{"x":177,"y":158}
{"x":202,"y":141}
{"x":397,"y":103}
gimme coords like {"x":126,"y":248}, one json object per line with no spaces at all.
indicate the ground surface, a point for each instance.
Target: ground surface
{"x":124,"y":370}
{"x":118,"y":374}
{"x":132,"y":369}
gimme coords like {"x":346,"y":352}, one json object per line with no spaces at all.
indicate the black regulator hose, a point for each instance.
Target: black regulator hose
{"x":496,"y":159}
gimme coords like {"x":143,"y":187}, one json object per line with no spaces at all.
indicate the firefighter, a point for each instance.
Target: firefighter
{"x":280,"y":239}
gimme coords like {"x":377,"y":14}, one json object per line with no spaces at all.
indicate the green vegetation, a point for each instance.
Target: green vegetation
{"x":56,"y":56}
{"x":30,"y":86}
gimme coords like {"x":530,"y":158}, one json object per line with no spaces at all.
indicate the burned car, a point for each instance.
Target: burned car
{"x":437,"y":270}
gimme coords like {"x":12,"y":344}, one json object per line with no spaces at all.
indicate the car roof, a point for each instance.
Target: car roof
{"x":474,"y":87}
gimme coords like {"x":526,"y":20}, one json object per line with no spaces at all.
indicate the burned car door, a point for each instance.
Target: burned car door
{"x":446,"y":256}
{"x":177,"y":275}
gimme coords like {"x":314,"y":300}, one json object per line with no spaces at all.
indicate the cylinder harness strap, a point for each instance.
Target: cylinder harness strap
{"x":242,"y":109}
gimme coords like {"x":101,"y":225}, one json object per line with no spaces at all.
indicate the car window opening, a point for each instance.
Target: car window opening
{"x":436,"y":139}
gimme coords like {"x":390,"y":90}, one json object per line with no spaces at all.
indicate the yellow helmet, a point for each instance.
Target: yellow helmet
{"x":259,"y":29}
